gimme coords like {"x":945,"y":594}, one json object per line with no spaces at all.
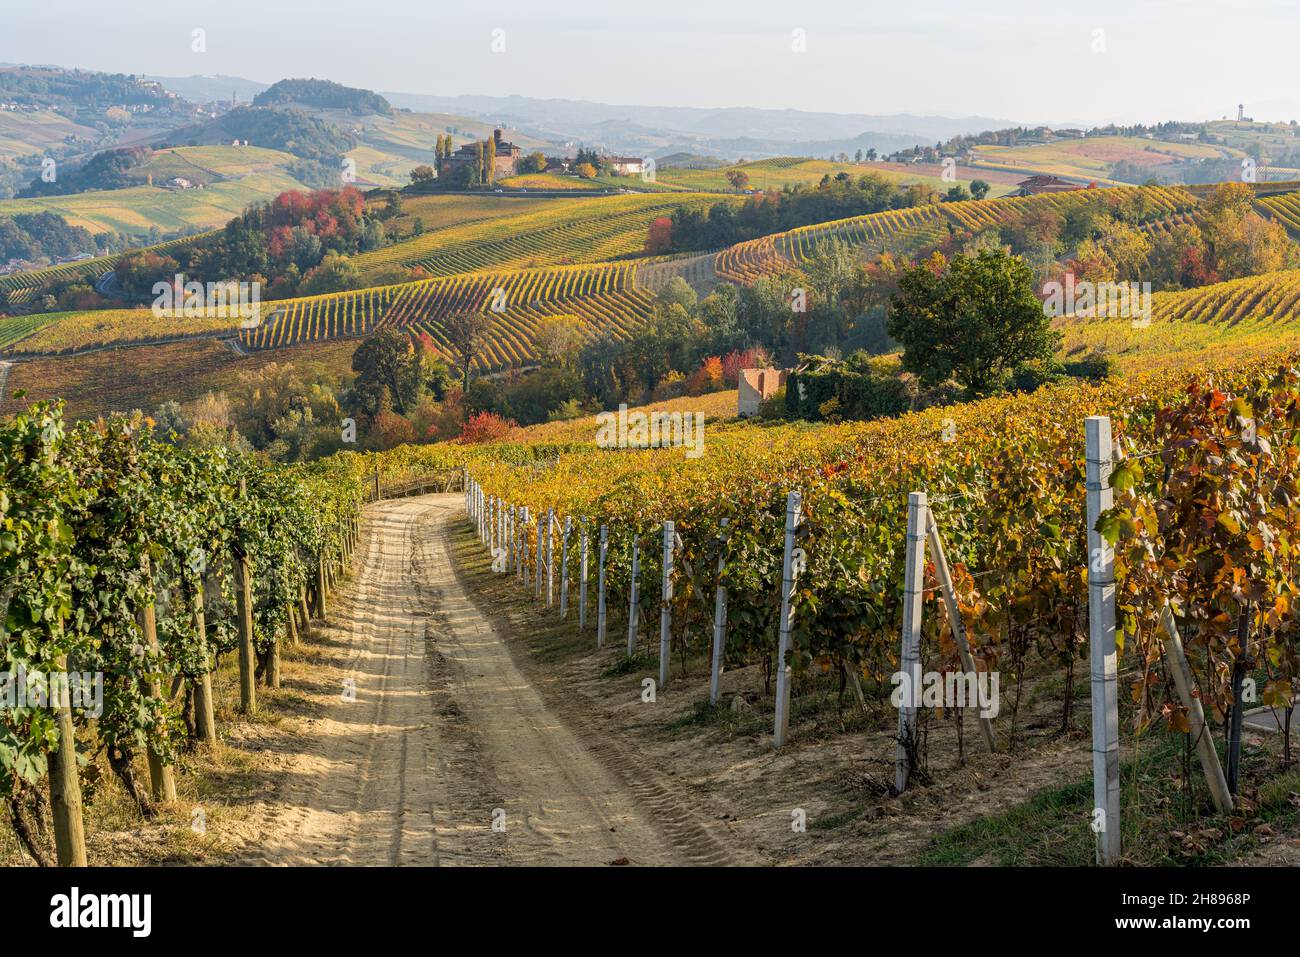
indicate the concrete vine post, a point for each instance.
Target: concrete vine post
{"x":909,"y":658}
{"x":550,"y":558}
{"x":564,"y":567}
{"x":1103,"y":654}
{"x":781,"y":727}
{"x":633,"y":598}
{"x":719,"y":618}
{"x":582,"y":577}
{"x":600,"y":586}
{"x":665,"y":606}
{"x":537,"y":585}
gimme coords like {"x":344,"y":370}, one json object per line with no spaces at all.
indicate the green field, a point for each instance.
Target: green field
{"x":800,"y":171}
{"x":135,"y":209}
{"x":22,"y":134}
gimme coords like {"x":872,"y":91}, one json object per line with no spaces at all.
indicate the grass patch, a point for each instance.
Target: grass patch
{"x":630,"y":664}
{"x":1163,"y":823}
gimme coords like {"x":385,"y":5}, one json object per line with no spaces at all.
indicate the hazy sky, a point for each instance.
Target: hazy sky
{"x":1091,"y":62}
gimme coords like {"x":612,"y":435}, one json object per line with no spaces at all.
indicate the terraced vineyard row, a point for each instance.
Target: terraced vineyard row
{"x":565,"y":231}
{"x":21,"y":288}
{"x":912,"y":228}
{"x":1239,"y":319}
{"x":1283,"y":207}
{"x":600,"y":292}
{"x":511,"y":342}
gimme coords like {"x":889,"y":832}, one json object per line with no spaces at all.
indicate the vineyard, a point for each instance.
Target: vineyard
{"x":22,"y":287}
{"x":601,"y":293}
{"x":907,"y":230}
{"x":1284,"y":207}
{"x":1005,"y":480}
{"x":1236,"y":319}
{"x":563,"y":231}
{"x":141,"y":563}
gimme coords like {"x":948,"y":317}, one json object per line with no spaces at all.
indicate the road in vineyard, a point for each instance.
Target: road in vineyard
{"x":445,"y":728}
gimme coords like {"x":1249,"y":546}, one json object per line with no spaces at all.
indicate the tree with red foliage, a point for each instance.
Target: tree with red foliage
{"x":486,"y":427}
{"x":660,"y":238}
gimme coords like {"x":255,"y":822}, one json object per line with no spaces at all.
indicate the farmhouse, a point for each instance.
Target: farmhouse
{"x":755,"y":386}
{"x":1036,"y":185}
{"x":627,"y":165}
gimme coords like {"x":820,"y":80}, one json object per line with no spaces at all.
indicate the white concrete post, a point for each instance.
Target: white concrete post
{"x":582,"y":578}
{"x":909,"y":658}
{"x":782,"y":726}
{"x":564,"y":568}
{"x":719,"y":618}
{"x":1101,"y":645}
{"x":600,"y":586}
{"x":632,"y":599}
{"x":665,"y":607}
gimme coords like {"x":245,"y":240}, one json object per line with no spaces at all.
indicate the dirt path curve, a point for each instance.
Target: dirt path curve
{"x":444,"y":730}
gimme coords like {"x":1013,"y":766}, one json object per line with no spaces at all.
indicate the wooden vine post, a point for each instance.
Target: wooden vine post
{"x":633,"y":598}
{"x":162,"y":781}
{"x":244,"y":615}
{"x":781,"y":727}
{"x":205,"y":723}
{"x":665,"y":606}
{"x":719,"y":618}
{"x":65,"y":786}
{"x":944,"y":575}
{"x":1103,"y":655}
{"x":320,"y":584}
{"x":910,"y":655}
{"x":1200,"y":732}
{"x":600,"y":586}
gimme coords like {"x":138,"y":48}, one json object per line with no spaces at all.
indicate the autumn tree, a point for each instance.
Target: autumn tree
{"x":738,"y":178}
{"x":558,"y":340}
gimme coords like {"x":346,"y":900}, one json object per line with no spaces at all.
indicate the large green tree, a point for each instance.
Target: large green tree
{"x":972,"y":320}
{"x":387,"y":362}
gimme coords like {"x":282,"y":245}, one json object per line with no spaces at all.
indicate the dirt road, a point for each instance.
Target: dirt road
{"x":445,"y":735}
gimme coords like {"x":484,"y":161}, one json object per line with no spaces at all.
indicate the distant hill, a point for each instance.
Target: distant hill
{"x":78,"y":89}
{"x":210,"y":89}
{"x":689,"y":161}
{"x":325,"y":95}
{"x":731,"y":131}
{"x":288,"y":130}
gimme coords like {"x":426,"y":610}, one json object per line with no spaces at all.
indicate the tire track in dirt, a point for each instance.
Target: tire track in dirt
{"x":445,"y":729}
